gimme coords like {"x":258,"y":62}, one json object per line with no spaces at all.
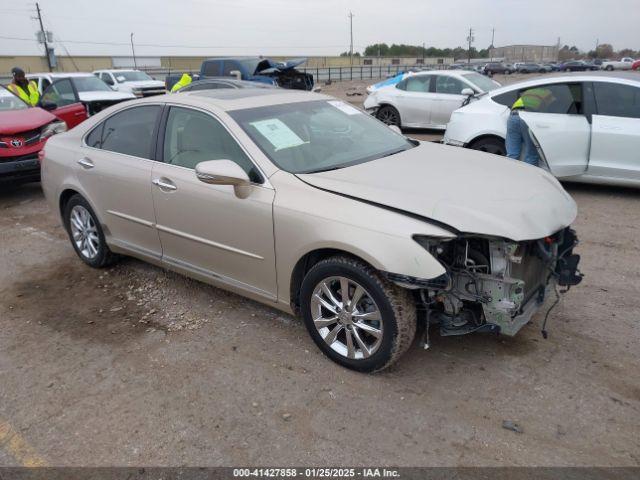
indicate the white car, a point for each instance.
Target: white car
{"x":426,"y":99}
{"x":623,"y":64}
{"x":66,"y":88}
{"x":590,"y":132}
{"x":132,"y":81}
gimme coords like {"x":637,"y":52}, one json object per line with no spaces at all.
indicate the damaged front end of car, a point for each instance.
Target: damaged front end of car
{"x":285,"y":75}
{"x":492,"y":284}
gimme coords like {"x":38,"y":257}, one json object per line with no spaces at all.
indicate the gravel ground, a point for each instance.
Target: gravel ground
{"x":134,"y":365}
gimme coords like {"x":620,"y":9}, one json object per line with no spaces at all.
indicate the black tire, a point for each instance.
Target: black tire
{"x":609,"y":68}
{"x":103,"y":256}
{"x":490,"y":145}
{"x":389,"y":115}
{"x":396,"y":307}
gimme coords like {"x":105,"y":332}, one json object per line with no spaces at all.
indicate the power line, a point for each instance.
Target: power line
{"x":127,"y":44}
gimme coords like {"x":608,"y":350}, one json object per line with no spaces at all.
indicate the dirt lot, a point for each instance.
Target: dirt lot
{"x":136,"y":366}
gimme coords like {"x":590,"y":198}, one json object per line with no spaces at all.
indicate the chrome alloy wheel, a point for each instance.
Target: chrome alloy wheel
{"x":84,"y":232}
{"x":346,"y":317}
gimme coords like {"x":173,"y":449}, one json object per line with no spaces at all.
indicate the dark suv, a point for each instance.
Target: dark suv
{"x":496,"y":67}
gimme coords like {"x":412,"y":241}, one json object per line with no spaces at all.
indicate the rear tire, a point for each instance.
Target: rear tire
{"x":490,"y":145}
{"x":368,"y":335}
{"x":389,"y":115}
{"x":609,"y":68}
{"x":85,"y":233}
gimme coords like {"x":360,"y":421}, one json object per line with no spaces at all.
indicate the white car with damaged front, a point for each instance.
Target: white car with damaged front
{"x":426,"y":99}
{"x":589,"y":132}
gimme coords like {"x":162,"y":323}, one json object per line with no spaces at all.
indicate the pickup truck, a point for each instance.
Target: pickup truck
{"x":624,"y":64}
{"x":262,"y":70}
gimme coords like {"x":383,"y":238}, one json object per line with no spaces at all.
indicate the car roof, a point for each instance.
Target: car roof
{"x":448,"y":71}
{"x":239,"y":99}
{"x":60,"y":74}
{"x":628,"y":78}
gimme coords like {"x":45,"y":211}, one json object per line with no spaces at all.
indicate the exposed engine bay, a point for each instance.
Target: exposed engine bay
{"x":493,"y":284}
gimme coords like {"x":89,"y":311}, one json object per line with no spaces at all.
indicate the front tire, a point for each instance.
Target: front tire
{"x":85,"y":233}
{"x":358,"y":319}
{"x":389,"y":115}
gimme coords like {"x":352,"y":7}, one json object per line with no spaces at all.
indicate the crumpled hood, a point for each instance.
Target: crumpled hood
{"x":471,"y":191}
{"x":267,"y":65}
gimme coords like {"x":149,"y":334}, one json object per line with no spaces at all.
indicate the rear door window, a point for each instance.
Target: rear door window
{"x":131,"y":131}
{"x":617,"y":100}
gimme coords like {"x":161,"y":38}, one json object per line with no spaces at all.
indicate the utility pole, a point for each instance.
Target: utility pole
{"x":493,"y":45}
{"x":351,"y":35}
{"x":470,"y":39}
{"x":44,"y":38}
{"x":135,"y":64}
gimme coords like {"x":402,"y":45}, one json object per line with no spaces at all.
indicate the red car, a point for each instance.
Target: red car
{"x":24,"y":131}
{"x":635,"y":65}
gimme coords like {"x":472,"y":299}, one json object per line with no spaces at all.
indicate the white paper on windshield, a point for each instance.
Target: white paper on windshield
{"x":345,"y":107}
{"x":120,"y":78}
{"x":278,"y":134}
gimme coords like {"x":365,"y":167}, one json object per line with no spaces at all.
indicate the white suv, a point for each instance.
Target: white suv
{"x":132,"y":81}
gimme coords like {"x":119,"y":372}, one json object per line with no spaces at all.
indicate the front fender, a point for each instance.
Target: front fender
{"x":308,"y":219}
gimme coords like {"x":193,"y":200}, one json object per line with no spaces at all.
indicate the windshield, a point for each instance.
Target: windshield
{"x":131,"y":76}
{"x":90,"y":84}
{"x":318,"y":136}
{"x":8,"y":101}
{"x":483,"y":83}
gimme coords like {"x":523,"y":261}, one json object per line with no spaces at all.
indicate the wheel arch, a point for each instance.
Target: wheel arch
{"x":485,"y":136}
{"x":306,"y":263}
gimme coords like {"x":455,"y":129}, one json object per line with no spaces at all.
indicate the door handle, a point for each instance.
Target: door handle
{"x":86,"y":163}
{"x":163,"y":183}
{"x":77,"y":114}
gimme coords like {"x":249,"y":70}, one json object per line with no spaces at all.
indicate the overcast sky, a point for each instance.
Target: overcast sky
{"x":312,"y":27}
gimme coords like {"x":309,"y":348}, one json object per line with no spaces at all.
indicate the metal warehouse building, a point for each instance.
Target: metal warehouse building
{"x":527,"y":53}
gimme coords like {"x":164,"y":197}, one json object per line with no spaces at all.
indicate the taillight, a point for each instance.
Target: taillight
{"x":41,"y":156}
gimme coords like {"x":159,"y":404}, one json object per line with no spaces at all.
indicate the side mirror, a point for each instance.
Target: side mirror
{"x":236,"y":73}
{"x":48,"y":106}
{"x":467,"y":92}
{"x":224,"y":172}
{"x":395,"y":128}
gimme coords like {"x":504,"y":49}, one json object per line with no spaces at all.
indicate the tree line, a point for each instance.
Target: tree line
{"x":603,"y":50}
{"x":402,"y":50}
